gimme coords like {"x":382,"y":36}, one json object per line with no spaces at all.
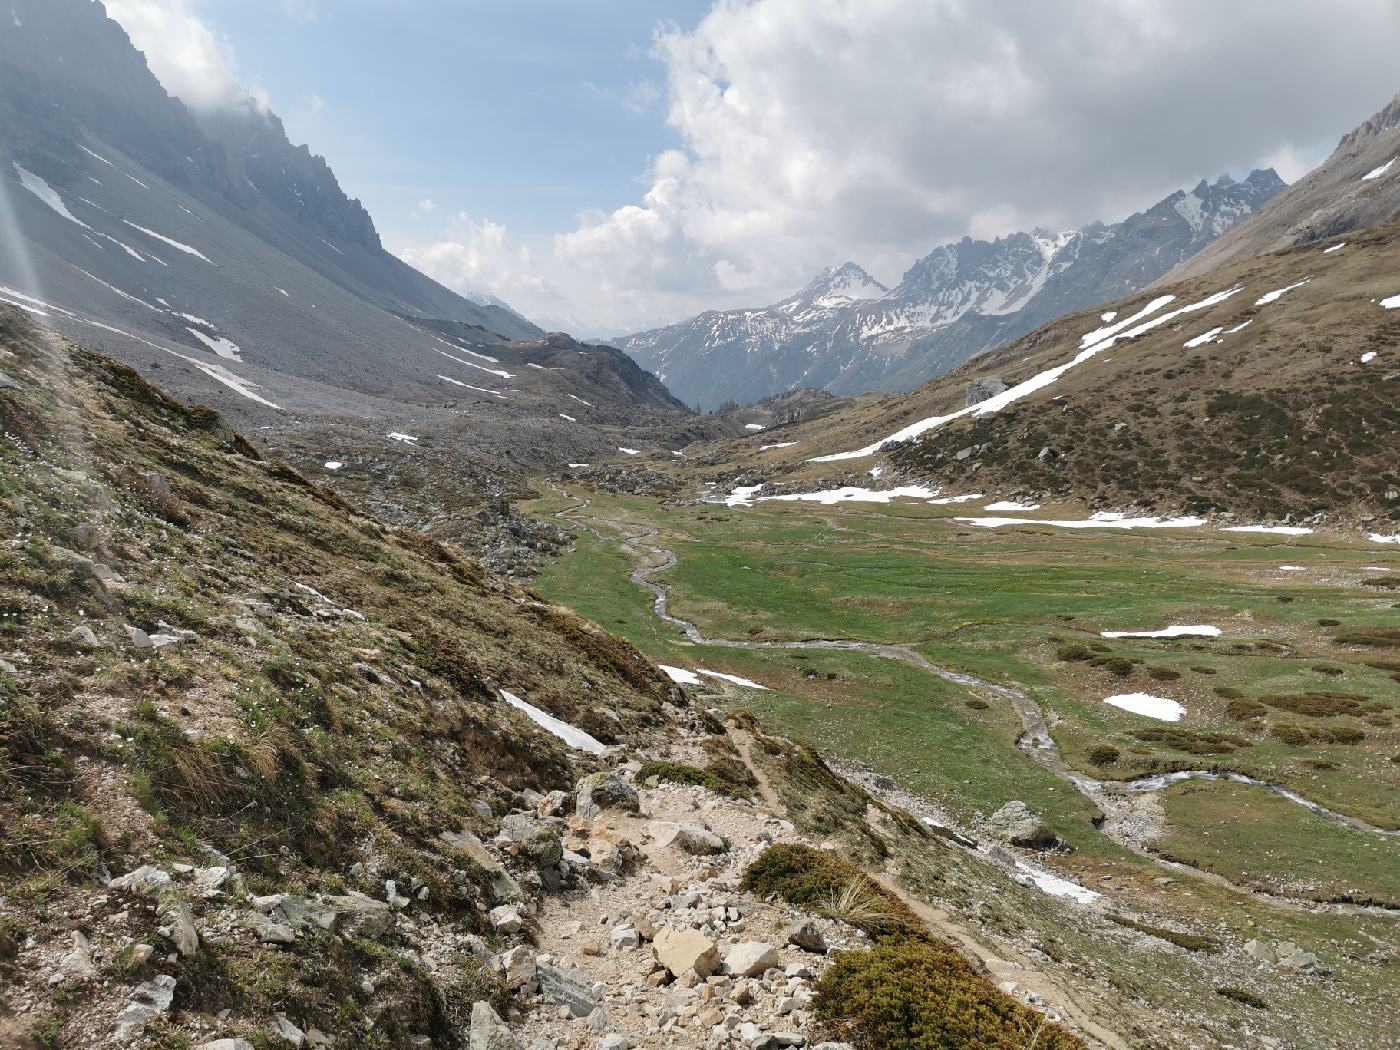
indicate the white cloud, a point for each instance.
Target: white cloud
{"x":874,"y":130}
{"x":191,"y":61}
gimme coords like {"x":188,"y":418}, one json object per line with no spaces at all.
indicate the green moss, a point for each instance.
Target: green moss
{"x":1243,"y":997}
{"x":1190,"y":941}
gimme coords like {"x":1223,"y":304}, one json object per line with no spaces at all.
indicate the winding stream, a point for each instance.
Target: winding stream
{"x":1035,"y":739}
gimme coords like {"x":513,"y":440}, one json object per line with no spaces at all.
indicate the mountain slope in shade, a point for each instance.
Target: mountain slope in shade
{"x":957,"y":301}
{"x":210,"y":247}
{"x":1356,"y":187}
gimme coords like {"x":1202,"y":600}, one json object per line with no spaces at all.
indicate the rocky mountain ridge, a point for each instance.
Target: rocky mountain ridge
{"x":952,"y":304}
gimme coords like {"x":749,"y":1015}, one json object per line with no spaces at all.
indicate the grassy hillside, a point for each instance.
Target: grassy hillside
{"x":206,"y":660}
{"x":1295,"y":413}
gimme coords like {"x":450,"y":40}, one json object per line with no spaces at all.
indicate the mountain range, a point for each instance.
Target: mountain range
{"x":848,"y":333}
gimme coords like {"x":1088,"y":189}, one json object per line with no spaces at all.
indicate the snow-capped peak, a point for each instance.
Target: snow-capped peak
{"x":839,"y":286}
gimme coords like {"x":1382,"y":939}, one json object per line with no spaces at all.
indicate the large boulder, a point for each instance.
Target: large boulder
{"x":603,"y":791}
{"x":750,"y":959}
{"x":984,"y":388}
{"x":1018,"y":825}
{"x":685,"y":951}
{"x":567,"y":986}
{"x":503,"y":887}
{"x":695,"y":839}
{"x":488,"y":1031}
{"x":807,"y":935}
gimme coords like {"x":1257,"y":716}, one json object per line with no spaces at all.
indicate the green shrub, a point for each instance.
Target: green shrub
{"x":1320,"y":705}
{"x":1243,"y":709}
{"x":1195,"y":742}
{"x":1227,"y":692}
{"x":1328,"y":622}
{"x":1103,"y":754}
{"x":1378,"y":637}
{"x":1115,"y":665}
{"x":814,"y":879}
{"x":680,"y":773}
{"x":1073,"y":652}
{"x":1163,"y":674}
{"x":925,"y":996}
{"x":1239,"y":995}
{"x":1192,"y":942}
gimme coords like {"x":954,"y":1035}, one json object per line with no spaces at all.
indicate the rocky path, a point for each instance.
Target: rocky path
{"x":1120,"y":799}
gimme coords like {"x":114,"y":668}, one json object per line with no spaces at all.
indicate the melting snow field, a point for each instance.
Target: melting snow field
{"x":1393,"y":303}
{"x":629,"y":451}
{"x":177,"y":245}
{"x":1175,"y":631}
{"x":221,"y":346}
{"x":1007,"y":504}
{"x":1376,"y":537}
{"x":468,"y":386}
{"x":1102,"y":520}
{"x":1157,"y":707}
{"x":480,"y":368}
{"x":1279,"y":293}
{"x":1376,"y":173}
{"x":732,"y":679}
{"x":744,"y":495}
{"x":333,"y":464}
{"x":1093,"y":343}
{"x":1368,"y":357}
{"x":1276,"y":530}
{"x":407,"y":439}
{"x":680,"y":675}
{"x":780,"y":444}
{"x":567,"y":418}
{"x":1203,"y":339}
{"x":753,"y":426}
{"x":1334,"y":248}
{"x":575,"y":738}
{"x":48,"y":195}
{"x":1055,"y":885}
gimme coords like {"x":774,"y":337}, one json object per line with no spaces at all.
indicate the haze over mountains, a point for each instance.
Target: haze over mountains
{"x":208,"y":247}
{"x":952,"y":304}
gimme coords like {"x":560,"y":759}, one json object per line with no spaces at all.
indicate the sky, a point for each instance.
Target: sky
{"x":611,"y":165}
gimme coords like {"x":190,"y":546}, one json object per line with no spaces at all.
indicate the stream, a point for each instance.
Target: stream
{"x":1035,"y":739}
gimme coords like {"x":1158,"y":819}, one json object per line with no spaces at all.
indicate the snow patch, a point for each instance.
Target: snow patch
{"x":1102,"y":520}
{"x":333,"y":464}
{"x":1108,"y":316}
{"x":407,"y":439}
{"x":480,"y":368}
{"x":629,"y":451}
{"x":1007,"y":504}
{"x":1376,"y":173}
{"x":1334,"y":248}
{"x":575,"y":738}
{"x":177,"y":245}
{"x":1368,"y":357}
{"x":1203,"y":339}
{"x":48,"y":195}
{"x":780,"y":444}
{"x":1376,"y":537}
{"x":743,"y":496}
{"x":733,"y":679}
{"x":1055,"y":885}
{"x":680,"y":675}
{"x":1150,"y":706}
{"x":580,"y":400}
{"x":1279,"y":293}
{"x":468,"y":386}
{"x":753,"y":426}
{"x":1175,"y":631}
{"x":221,"y":346}
{"x":1276,"y":530}
{"x":571,"y":419}
{"x":1393,"y":303}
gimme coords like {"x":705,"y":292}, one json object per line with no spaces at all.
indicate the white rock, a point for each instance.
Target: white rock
{"x":507,"y":919}
{"x":750,"y":958}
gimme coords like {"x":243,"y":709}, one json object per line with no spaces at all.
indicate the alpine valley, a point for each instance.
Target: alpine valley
{"x":1009,"y":660}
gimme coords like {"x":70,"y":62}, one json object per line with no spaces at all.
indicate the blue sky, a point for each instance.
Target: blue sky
{"x":612,"y":165}
{"x":526,"y":112}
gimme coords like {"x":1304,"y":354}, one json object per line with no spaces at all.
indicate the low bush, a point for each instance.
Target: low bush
{"x":1243,"y":997}
{"x":925,"y":996}
{"x":1321,"y":705}
{"x":680,"y":773}
{"x":1301,"y":736}
{"x":1073,"y":653}
{"x":1386,"y":583}
{"x":1192,"y":942}
{"x":815,"y":879}
{"x":1227,"y":692}
{"x":1243,"y":709}
{"x":1115,"y":665}
{"x":1328,"y":622}
{"x":1163,"y":674}
{"x":1195,"y":742}
{"x":1104,"y":754}
{"x":1376,"y":637}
